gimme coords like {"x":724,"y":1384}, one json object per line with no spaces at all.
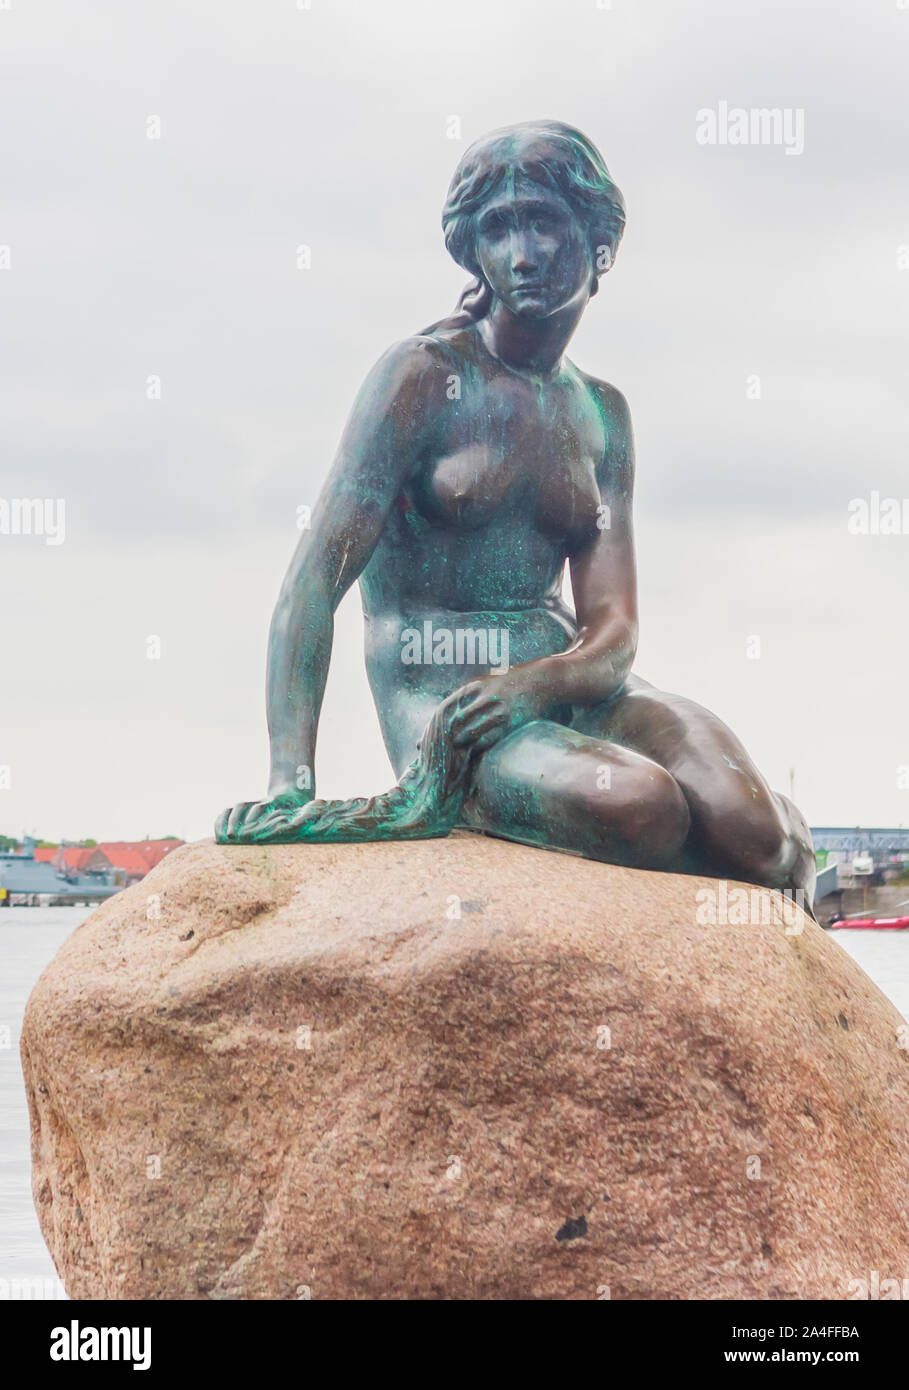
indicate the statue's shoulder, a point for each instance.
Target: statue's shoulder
{"x":609,"y":397}
{"x":618,"y":457}
{"x":432,"y":347}
{"x":411,"y":361}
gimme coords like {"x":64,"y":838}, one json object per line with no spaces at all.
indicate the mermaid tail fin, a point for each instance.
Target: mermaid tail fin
{"x":423,"y":805}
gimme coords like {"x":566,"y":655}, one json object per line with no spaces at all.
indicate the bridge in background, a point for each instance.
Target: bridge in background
{"x":838,"y":846}
{"x":859,"y":840}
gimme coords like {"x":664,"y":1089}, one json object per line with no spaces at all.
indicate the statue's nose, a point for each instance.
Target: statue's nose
{"x":522,"y":256}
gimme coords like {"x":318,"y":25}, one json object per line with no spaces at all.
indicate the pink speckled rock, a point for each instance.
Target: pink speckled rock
{"x":458,"y":1069}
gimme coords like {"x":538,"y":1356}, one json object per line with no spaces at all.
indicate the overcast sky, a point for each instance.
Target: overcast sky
{"x":331,"y":126}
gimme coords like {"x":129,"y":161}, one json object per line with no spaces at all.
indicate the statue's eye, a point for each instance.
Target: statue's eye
{"x":493,"y":227}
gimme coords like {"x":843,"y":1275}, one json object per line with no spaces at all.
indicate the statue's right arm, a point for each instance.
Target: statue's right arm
{"x":387,"y":431}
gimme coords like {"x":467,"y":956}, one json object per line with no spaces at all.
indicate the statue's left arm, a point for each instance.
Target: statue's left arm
{"x":603,"y":577}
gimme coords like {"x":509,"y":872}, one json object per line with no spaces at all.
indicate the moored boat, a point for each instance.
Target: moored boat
{"x":878,"y":923}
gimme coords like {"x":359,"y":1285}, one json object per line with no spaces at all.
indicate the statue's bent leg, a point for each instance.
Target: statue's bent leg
{"x":739,"y":827}
{"x":551,"y":786}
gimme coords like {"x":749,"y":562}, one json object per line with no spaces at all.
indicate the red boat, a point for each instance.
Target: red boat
{"x":879,"y":923}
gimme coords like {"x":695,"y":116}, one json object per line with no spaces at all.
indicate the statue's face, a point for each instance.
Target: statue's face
{"x":533,"y":252}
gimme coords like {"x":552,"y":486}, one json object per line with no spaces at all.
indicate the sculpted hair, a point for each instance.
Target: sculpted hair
{"x":549,"y":153}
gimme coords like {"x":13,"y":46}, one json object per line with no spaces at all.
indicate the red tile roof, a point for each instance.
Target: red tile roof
{"x":73,"y":856}
{"x":130,"y":861}
{"x":149,"y":851}
{"x":137,"y":856}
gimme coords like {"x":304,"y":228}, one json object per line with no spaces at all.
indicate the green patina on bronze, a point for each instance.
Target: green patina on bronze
{"x":476,"y":462}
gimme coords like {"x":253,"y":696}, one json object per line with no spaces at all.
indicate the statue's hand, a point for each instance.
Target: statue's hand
{"x":495,"y":705}
{"x":254,"y":822}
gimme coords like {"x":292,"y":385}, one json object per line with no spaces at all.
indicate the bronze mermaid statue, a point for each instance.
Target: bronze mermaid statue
{"x":478,"y":461}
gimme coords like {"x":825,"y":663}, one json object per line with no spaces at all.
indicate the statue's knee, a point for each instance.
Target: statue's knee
{"x":753,"y":838}
{"x":655,"y":820}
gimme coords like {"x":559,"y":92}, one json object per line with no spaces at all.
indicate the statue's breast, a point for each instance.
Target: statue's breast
{"x":467,"y":488}
{"x":517,"y":457}
{"x":568,"y":498}
{"x":555,"y":494}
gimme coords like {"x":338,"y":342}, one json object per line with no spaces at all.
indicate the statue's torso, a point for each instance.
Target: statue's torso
{"x":506,"y":489}
{"x":478,"y":536}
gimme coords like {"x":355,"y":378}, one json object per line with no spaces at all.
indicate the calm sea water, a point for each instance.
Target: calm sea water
{"x":30,"y":936}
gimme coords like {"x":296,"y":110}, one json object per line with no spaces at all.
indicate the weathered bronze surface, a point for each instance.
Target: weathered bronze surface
{"x":476,"y":461}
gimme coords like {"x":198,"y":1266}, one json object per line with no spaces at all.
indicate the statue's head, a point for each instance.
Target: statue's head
{"x":533,"y":213}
